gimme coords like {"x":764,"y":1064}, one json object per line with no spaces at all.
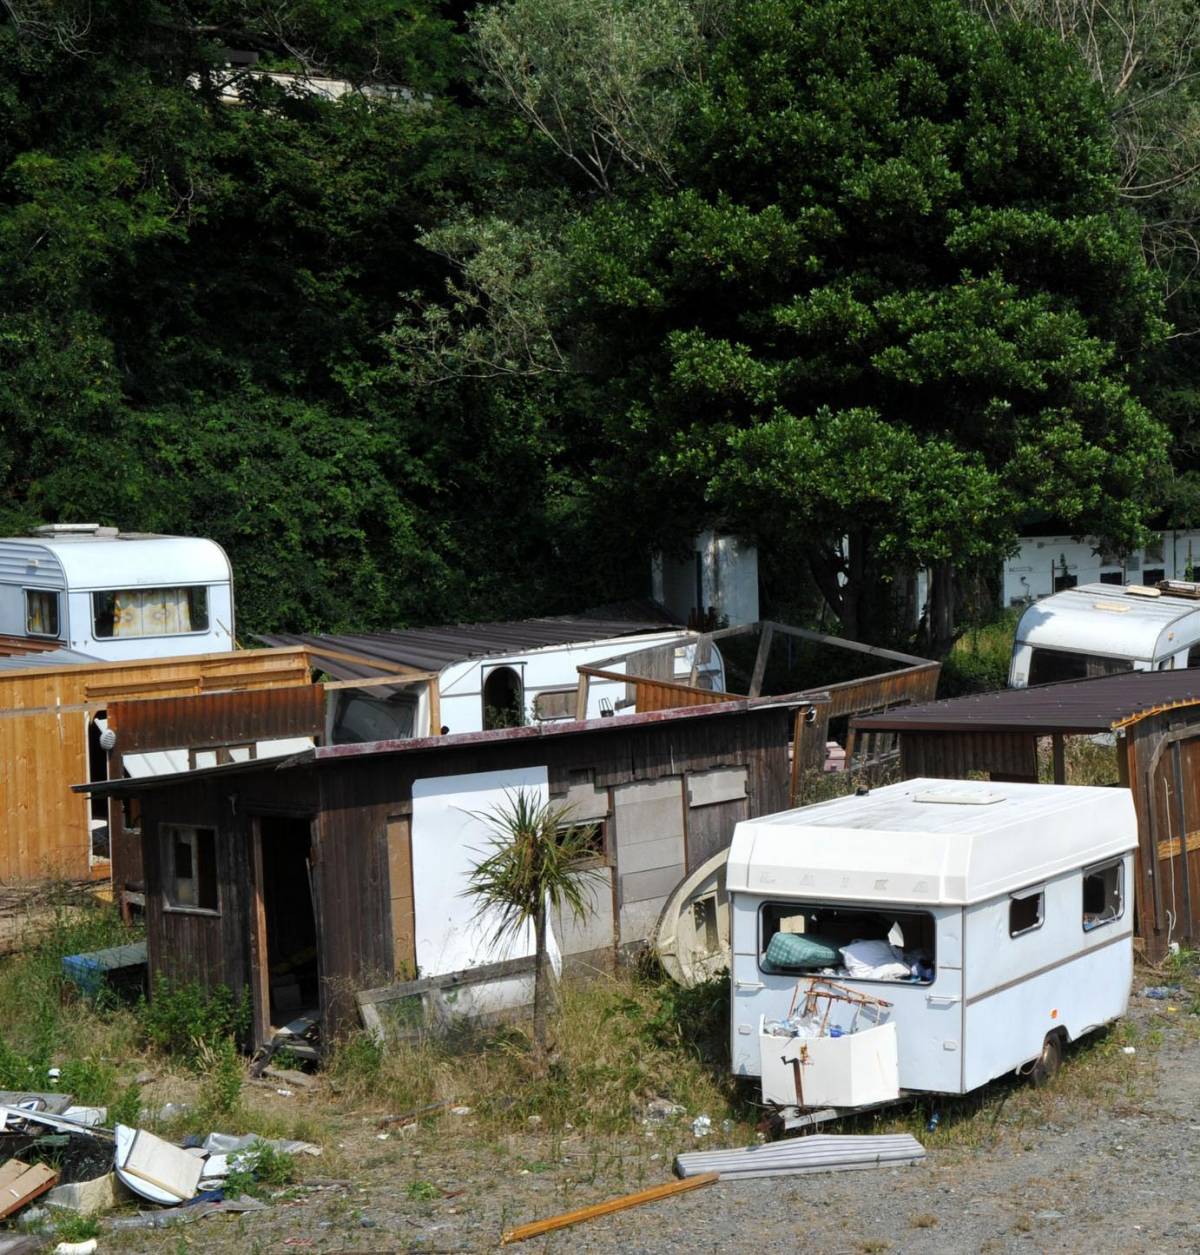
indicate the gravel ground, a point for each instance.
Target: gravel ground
{"x":1102,"y":1160}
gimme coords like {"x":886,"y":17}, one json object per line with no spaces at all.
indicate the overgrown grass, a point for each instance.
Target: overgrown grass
{"x":619,"y":1041}
{"x":978,"y":663}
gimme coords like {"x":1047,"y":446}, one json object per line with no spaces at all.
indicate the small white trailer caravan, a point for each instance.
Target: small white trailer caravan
{"x":943,"y":933}
{"x":117,"y":596}
{"x":1099,"y":629}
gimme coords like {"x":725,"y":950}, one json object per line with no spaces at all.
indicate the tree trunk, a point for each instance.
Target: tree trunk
{"x":941,"y":617}
{"x":542,"y":987}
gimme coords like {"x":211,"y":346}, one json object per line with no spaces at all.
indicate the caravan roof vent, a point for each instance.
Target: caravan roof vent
{"x":52,"y":530}
{"x":1142,"y":590}
{"x":959,"y":797}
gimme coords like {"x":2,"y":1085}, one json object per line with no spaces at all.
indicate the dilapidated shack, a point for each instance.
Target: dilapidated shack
{"x":344,"y":866}
{"x":1151,"y":719}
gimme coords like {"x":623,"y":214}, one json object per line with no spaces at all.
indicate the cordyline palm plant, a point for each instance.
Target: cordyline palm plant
{"x":535,"y":867}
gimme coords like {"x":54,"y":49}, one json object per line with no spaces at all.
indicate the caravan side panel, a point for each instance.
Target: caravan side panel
{"x":1055,"y":976}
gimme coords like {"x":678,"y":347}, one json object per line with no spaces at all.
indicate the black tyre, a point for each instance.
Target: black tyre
{"x":1045,"y":1066}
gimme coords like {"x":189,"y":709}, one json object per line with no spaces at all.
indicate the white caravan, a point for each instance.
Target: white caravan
{"x":116,"y":596}
{"x":1100,"y":629}
{"x":987,"y":925}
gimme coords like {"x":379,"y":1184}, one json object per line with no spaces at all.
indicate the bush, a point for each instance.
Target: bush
{"x":182,"y":1020}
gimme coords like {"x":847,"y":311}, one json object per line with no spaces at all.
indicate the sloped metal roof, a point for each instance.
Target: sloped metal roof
{"x":1095,"y":705}
{"x":432,"y":648}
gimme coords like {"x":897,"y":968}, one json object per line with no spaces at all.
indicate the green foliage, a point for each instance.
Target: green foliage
{"x":71,"y":1226}
{"x":422,"y":1191}
{"x":189,"y":1021}
{"x":258,"y":1167}
{"x":979,"y":661}
{"x":223,"y":1069}
{"x":126,"y":1106}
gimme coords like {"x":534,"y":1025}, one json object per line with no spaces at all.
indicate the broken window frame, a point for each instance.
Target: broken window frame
{"x":600,"y":855}
{"x":202,"y":866}
{"x":1037,"y":894}
{"x":1090,"y":924}
{"x":198,"y":611}
{"x":571,"y":696}
{"x":795,"y":907}
{"x":54,"y":601}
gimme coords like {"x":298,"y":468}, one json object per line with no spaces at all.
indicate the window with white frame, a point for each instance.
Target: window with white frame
{"x":1026,"y":911}
{"x":1103,"y":894}
{"x":190,"y":866}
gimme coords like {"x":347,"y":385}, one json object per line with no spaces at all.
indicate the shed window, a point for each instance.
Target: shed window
{"x":853,"y":943}
{"x":1103,"y":894}
{"x":190,"y":866}
{"x":150,"y":612}
{"x":594,"y":845}
{"x":41,"y":612}
{"x":1026,"y":911}
{"x":555,"y":704}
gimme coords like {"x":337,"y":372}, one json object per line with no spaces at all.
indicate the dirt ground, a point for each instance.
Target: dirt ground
{"x":1103,"y":1159}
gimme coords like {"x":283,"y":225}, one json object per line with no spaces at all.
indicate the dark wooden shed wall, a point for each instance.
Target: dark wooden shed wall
{"x":354,"y":797}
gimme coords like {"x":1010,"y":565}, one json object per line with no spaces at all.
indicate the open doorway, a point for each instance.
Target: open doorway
{"x":99,"y":837}
{"x":284,"y":954}
{"x":503,"y":699}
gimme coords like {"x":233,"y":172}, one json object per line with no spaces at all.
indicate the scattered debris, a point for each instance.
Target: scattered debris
{"x":538,"y":1227}
{"x":76,"y":1248}
{"x":227,"y":1144}
{"x":21,"y":1183}
{"x":460,"y":1111}
{"x":154,"y":1168}
{"x":701,"y":1126}
{"x":1162,"y":992}
{"x":119,"y":967}
{"x":290,"y":1077}
{"x":184,"y":1215}
{"x":1128,"y":1050}
{"x":87,"y":1197}
{"x":410,"y":1117}
{"x":822,"y":1152}
{"x":658,"y":1109}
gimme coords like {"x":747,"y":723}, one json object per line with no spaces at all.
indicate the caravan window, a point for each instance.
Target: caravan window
{"x":1103,"y":894}
{"x":150,"y":612}
{"x":855,"y":943}
{"x":1048,"y":665}
{"x":41,"y":613}
{"x":189,"y":857}
{"x":1026,"y":911}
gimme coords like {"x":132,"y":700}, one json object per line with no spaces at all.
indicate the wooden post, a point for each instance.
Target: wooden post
{"x":797,"y":756}
{"x":1060,"y":758}
{"x":259,"y":958}
{"x":435,"y":708}
{"x":581,"y":696}
{"x":760,"y":661}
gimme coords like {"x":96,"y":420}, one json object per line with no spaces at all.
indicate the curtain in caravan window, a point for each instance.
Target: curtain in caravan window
{"x":152,"y":612}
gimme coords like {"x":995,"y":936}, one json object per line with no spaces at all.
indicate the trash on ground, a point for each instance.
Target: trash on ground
{"x":1128,"y":1050}
{"x":154,"y":1168}
{"x":119,"y":967}
{"x":55,"y":1103}
{"x":226,"y":1143}
{"x":66,"y":1122}
{"x":701,"y":1126}
{"x":87,"y":1197}
{"x":822,"y":1152}
{"x":460,"y":1111}
{"x":21,"y":1183}
{"x":291,"y":1077}
{"x":76,"y":1248}
{"x":658,"y":1109}
{"x":184,"y":1215}
{"x":1162,"y":992}
{"x":655,"y":1192}
{"x":410,"y":1116}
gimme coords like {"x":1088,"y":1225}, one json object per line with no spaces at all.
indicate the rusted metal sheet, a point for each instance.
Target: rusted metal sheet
{"x":215,"y":719}
{"x":954,"y":756}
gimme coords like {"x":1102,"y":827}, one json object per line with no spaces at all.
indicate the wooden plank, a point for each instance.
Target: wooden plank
{"x":404,"y":928}
{"x":760,"y":661}
{"x":435,"y":707}
{"x":522,"y":1232}
{"x":378,"y":681}
{"x":395,"y":668}
{"x":259,"y":958}
{"x":31,"y":1183}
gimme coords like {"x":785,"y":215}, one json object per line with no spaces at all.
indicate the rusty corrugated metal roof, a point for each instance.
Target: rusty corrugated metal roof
{"x":1094,"y":705}
{"x":432,"y":648}
{"x":218,"y":718}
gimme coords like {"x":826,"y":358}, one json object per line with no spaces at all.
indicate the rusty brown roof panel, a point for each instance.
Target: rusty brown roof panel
{"x":431,"y":649}
{"x":218,"y":718}
{"x":1094,"y":705}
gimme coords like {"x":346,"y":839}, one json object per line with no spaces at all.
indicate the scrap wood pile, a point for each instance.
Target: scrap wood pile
{"x":59,"y":1155}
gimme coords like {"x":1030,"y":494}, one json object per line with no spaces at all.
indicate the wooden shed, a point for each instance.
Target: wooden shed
{"x":52,"y":716}
{"x":1151,"y":718}
{"x":343,"y":866}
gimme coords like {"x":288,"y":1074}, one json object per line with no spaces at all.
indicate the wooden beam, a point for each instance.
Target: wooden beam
{"x":396,"y":668}
{"x":760,"y":661}
{"x":581,"y":695}
{"x":435,"y":707}
{"x":858,"y":647}
{"x":652,"y":1195}
{"x":415,"y":678}
{"x":1058,"y":749}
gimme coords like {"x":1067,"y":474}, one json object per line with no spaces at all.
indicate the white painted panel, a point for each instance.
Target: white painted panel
{"x":727,"y":784}
{"x":156,"y":763}
{"x":595,"y":930}
{"x":586,"y":802}
{"x":448,"y":842}
{"x":645,"y":856}
{"x":637,"y":920}
{"x":656,"y":884}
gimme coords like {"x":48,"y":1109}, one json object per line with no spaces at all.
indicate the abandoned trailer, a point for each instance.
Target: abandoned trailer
{"x":1153,"y":722}
{"x":343,"y":867}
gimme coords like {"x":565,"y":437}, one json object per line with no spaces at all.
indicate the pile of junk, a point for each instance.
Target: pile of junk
{"x":58,"y":1157}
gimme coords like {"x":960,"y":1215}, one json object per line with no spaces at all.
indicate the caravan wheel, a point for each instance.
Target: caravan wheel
{"x":1045,"y":1066}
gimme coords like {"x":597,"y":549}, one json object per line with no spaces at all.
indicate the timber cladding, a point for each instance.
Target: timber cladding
{"x":666,"y":796}
{"x":44,"y":718}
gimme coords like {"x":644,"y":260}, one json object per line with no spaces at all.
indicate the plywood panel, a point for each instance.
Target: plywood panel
{"x":707,"y":788}
{"x":642,"y":886}
{"x":400,"y":881}
{"x":647,"y":855}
